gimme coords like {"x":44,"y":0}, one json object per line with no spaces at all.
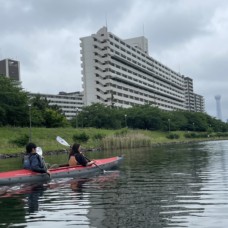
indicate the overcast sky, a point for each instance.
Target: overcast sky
{"x":189,"y":36}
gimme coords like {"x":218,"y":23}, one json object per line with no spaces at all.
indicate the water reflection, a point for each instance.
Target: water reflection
{"x":64,"y":201}
{"x":33,"y":197}
{"x":175,"y":186}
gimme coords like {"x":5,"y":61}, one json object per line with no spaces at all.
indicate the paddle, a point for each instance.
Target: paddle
{"x":63,"y":142}
{"x":39,"y":151}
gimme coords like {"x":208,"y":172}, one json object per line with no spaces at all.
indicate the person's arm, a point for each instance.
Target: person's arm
{"x":90,"y":162}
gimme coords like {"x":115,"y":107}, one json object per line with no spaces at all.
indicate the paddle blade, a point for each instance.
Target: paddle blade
{"x":39,"y":151}
{"x":62,"y":141}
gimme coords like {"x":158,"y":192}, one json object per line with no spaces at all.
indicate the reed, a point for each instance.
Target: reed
{"x":130,"y":140}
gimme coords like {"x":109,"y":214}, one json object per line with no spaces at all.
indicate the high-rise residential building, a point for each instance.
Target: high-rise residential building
{"x":10,"y":68}
{"x":121,"y":73}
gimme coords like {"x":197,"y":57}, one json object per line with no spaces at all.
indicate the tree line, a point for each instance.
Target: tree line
{"x":17,"y":108}
{"x":147,"y":117}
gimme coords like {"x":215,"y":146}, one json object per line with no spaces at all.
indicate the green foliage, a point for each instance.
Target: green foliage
{"x":80,"y":137}
{"x":121,"y":132}
{"x":54,"y":119}
{"x":46,"y":115}
{"x":196,"y":135}
{"x":172,"y":136}
{"x":98,"y":136}
{"x":221,"y":134}
{"x":98,"y":116}
{"x":20,"y":141}
{"x":146,"y":117}
{"x":46,"y":138}
{"x":13,"y":104}
{"x":15,"y":111}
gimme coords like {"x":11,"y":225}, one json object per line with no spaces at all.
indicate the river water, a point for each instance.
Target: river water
{"x":169,"y":186}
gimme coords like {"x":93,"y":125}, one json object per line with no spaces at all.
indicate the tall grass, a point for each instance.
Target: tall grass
{"x":126,"y":141}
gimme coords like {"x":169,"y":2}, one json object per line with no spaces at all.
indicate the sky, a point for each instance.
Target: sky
{"x":189,"y":36}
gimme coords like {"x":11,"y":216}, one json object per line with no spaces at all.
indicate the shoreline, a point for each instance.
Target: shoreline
{"x":56,"y":152}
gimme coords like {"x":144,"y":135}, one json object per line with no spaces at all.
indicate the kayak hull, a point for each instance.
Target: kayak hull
{"x":28,"y":176}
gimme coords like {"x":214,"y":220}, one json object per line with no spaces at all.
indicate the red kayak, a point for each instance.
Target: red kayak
{"x":27,"y":176}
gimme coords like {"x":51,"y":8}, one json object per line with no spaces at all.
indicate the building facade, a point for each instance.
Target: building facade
{"x":199,"y":103}
{"x":189,"y":95}
{"x":121,"y":73}
{"x":69,"y":103}
{"x":10,"y":68}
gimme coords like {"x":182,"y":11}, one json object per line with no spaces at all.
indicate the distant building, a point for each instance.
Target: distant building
{"x":10,"y":68}
{"x":199,"y":103}
{"x":121,"y":73}
{"x":69,"y":103}
{"x":189,"y":95}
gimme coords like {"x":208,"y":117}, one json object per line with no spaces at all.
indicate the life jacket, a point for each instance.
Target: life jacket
{"x":72,"y":161}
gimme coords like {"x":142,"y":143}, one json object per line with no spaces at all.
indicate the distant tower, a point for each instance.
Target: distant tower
{"x":218,"y":107}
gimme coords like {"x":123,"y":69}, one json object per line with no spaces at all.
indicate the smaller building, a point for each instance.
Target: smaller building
{"x":10,"y":68}
{"x":199,"y":103}
{"x":69,"y":103}
{"x":189,"y":95}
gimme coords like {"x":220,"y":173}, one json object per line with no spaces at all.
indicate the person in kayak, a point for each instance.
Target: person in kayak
{"x":34,"y":161}
{"x":77,"y":158}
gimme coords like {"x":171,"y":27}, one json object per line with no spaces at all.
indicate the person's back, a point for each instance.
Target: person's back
{"x":26,"y":162}
{"x":33,"y":161}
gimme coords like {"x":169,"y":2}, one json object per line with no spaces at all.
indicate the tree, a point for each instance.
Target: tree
{"x":46,"y":115}
{"x":54,"y":119}
{"x":13,"y":103}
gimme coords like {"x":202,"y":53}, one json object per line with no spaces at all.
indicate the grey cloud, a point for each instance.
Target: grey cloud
{"x":27,"y":16}
{"x":44,"y":36}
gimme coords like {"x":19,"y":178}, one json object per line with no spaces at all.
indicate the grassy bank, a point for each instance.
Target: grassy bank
{"x":95,"y":138}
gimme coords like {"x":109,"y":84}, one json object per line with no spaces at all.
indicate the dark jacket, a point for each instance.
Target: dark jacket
{"x":35,"y":163}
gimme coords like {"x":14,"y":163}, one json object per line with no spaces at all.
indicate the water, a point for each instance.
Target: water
{"x":175,"y":186}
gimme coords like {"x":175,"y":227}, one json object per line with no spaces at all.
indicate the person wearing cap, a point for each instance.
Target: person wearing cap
{"x":33,"y":161}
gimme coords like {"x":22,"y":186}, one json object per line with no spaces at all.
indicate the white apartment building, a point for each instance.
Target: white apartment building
{"x":69,"y":103}
{"x":121,"y":73}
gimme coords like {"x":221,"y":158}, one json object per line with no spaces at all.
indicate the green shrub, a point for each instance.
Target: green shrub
{"x":122,"y":132}
{"x":22,"y":140}
{"x":190,"y":135}
{"x":172,"y":136}
{"x":221,"y":134}
{"x":98,"y":136}
{"x":194,"y":135}
{"x":80,"y":137}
